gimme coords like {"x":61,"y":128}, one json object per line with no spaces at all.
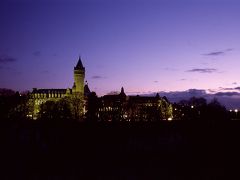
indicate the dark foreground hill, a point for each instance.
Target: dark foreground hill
{"x":162,"y":150}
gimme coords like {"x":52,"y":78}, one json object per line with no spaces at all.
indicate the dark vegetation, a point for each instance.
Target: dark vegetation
{"x":198,"y":146}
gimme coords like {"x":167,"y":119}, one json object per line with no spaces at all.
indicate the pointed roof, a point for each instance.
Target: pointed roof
{"x":122,"y":93}
{"x":86,"y":90}
{"x":79,"y":64}
{"x":122,"y":90}
{"x":74,"y":85}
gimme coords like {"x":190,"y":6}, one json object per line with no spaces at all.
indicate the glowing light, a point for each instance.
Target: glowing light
{"x":230,"y":110}
{"x":235,"y":110}
{"x":170,"y":119}
{"x":192,"y":107}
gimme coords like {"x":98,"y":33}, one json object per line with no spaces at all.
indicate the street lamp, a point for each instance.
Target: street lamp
{"x":236,"y":111}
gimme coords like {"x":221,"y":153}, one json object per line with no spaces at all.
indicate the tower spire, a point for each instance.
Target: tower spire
{"x":79,"y":64}
{"x":122,"y":90}
{"x":79,"y":75}
{"x":122,"y":93}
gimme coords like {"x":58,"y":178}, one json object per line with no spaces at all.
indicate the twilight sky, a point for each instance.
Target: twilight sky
{"x":143,"y":45}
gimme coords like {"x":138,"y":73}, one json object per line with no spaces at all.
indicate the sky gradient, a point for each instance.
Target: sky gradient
{"x":143,"y":45}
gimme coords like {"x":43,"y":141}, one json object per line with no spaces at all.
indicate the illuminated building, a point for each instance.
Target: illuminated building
{"x":120,"y":107}
{"x":117,"y":107}
{"x":79,"y":92}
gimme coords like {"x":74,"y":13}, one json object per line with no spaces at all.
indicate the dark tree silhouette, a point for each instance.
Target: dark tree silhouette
{"x":13,"y":105}
{"x":55,"y":110}
{"x":92,"y":107}
{"x":198,"y":109}
{"x":217,"y":112}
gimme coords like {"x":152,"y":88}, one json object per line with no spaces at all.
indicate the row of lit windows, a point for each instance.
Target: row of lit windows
{"x":44,"y":95}
{"x":108,"y":108}
{"x":116,"y":108}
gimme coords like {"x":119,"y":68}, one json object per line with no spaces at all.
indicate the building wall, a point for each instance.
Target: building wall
{"x":75,"y":94}
{"x":79,"y":76}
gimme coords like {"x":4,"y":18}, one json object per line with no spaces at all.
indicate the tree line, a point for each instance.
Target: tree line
{"x":16,"y":106}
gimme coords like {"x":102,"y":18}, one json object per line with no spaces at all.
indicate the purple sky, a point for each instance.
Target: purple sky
{"x":143,"y":45}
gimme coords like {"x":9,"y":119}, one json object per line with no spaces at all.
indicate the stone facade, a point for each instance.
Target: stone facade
{"x":79,"y":91}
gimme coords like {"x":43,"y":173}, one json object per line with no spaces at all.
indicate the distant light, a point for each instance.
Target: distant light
{"x":169,"y":119}
{"x":236,"y":110}
{"x":175,"y":109}
{"x":230,"y":110}
{"x":192,"y":107}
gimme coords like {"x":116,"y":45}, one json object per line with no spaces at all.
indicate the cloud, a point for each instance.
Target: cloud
{"x":230,"y":89}
{"x":218,"y":53}
{"x":97,"y":77}
{"x":175,"y":96}
{"x":226,"y":89}
{"x":155,"y":81}
{"x":234,"y":83}
{"x":6,"y":59}
{"x":113,"y":93}
{"x":227,"y":94}
{"x":212,"y":91}
{"x":7,"y":68}
{"x":228,"y":99}
{"x":196,"y":92}
{"x":202,"y":70}
{"x":170,"y":69}
{"x":37,"y":53}
{"x":215,"y":53}
{"x":45,"y":71}
{"x":182,"y":79}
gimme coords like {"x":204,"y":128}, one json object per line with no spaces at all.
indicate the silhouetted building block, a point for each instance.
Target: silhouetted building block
{"x":119,"y":107}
